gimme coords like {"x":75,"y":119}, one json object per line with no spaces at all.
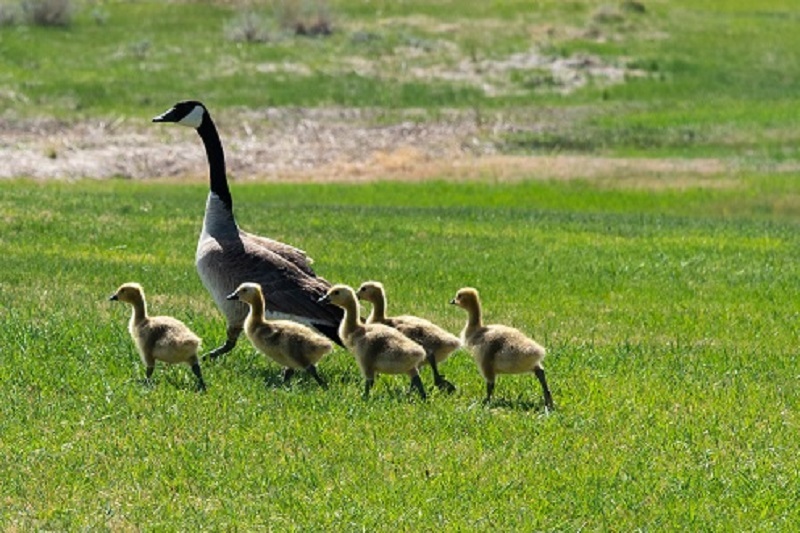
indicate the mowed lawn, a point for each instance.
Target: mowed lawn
{"x":671,"y":329}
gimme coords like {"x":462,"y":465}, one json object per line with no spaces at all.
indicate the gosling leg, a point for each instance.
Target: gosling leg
{"x":368,"y":383}
{"x":201,"y":385}
{"x":287,"y":375}
{"x":438,"y":379}
{"x":416,"y":384}
{"x":311,"y":369}
{"x":548,"y":398}
{"x":148,"y":375}
{"x":489,"y":391}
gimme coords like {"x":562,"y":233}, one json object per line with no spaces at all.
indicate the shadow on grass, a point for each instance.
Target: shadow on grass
{"x":518,"y":404}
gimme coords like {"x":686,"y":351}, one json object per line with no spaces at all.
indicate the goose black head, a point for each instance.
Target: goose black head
{"x":187,"y":113}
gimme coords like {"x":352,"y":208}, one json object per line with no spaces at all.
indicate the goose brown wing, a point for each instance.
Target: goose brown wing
{"x":294,"y":255}
{"x":290,"y":287}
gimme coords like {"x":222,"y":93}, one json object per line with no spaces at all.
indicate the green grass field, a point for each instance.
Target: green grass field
{"x":667,"y":303}
{"x":671,"y":357}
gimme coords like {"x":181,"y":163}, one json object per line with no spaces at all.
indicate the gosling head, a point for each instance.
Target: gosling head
{"x":189,"y":113}
{"x":339,"y":295}
{"x":370,"y":291}
{"x":128,"y":293}
{"x":466,"y":298}
{"x":247,"y":292}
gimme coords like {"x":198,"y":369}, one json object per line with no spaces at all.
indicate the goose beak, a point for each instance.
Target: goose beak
{"x":232,"y":296}
{"x":166,"y":116}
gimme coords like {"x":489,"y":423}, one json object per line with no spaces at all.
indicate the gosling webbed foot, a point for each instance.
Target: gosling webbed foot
{"x":445,"y":386}
{"x":312,"y":370}
{"x":416,"y":384}
{"x":368,"y":383}
{"x":201,"y":385}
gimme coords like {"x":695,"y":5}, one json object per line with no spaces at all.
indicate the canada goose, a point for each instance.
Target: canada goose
{"x":438,"y":343}
{"x":499,"y":349}
{"x":161,"y":338}
{"x":227,"y":256}
{"x":289,"y":343}
{"x":376,"y":347}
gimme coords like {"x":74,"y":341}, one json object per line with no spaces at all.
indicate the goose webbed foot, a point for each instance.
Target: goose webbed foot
{"x":220,"y":350}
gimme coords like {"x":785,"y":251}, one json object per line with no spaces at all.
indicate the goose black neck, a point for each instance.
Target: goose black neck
{"x":216,"y":161}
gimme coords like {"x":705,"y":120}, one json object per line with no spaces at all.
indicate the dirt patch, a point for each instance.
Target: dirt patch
{"x":344,"y":145}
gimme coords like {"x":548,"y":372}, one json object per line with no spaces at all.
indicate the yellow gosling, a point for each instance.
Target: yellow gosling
{"x":376,"y":347}
{"x":437,"y":342}
{"x":288,"y":343}
{"x":159,"y":338}
{"x":499,"y":349}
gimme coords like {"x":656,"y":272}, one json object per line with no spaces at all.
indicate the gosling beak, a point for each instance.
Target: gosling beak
{"x":232,"y":296}
{"x":324,"y":299}
{"x":113,"y":298}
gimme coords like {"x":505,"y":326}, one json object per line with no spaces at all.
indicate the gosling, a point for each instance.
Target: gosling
{"x":376,"y":347}
{"x":159,"y":338}
{"x":499,"y":349}
{"x":288,"y":343}
{"x":438,"y":343}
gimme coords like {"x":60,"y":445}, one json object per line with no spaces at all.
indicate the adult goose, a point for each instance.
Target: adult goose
{"x":227,"y":256}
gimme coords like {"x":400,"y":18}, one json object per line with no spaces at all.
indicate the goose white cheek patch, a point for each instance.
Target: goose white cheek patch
{"x":194,"y":118}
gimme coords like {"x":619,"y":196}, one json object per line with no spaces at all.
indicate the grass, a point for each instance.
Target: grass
{"x":666,"y":302}
{"x":718,"y":79}
{"x":671,"y":359}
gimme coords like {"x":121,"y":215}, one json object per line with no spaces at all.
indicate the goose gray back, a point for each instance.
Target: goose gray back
{"x":228,"y":256}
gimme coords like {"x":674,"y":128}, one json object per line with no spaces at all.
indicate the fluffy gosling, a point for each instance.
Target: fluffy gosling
{"x":288,"y":343}
{"x":376,"y":347}
{"x":499,"y":349}
{"x":159,"y":338}
{"x":437,"y":342}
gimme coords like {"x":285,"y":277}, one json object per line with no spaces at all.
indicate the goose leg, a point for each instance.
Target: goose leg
{"x":220,"y":350}
{"x":311,"y":369}
{"x":230,"y":344}
{"x":548,"y":398}
{"x":438,"y":379}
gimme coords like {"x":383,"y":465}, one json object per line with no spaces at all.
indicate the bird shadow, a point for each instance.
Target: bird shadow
{"x":518,"y":404}
{"x":176,"y":381}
